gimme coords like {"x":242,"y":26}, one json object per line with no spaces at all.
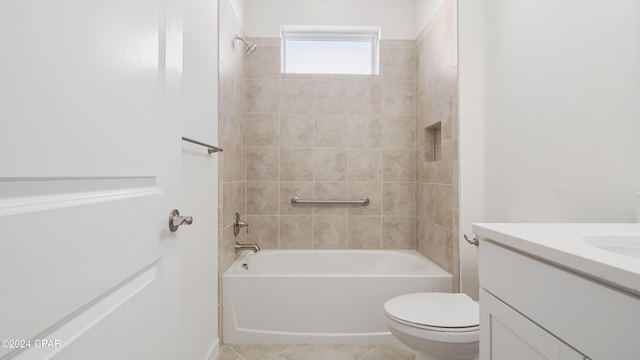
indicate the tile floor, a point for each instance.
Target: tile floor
{"x":316,"y":352}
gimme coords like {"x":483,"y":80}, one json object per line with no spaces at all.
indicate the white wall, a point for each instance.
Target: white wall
{"x":424,"y":10}
{"x":562,"y":110}
{"x":471,"y":137}
{"x":238,"y":7}
{"x":198,"y":243}
{"x":262,"y":18}
{"x":549,"y":113}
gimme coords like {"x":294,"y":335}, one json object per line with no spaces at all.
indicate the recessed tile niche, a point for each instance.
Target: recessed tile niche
{"x":433,"y":142}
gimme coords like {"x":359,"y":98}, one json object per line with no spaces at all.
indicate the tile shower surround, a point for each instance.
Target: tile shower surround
{"x":331,"y":137}
{"x":232,"y":134}
{"x":343,"y":136}
{"x":437,"y":209}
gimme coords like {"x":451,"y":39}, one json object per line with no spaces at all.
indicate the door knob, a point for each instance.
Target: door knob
{"x":175,"y":220}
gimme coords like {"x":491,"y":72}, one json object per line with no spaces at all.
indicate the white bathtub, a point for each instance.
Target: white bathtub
{"x":320,"y":296}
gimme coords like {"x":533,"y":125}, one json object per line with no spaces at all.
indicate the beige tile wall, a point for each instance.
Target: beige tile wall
{"x":331,"y":137}
{"x":437,"y":181}
{"x":233,"y":127}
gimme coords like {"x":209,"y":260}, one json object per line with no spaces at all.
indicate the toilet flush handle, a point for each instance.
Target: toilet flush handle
{"x":474,"y":241}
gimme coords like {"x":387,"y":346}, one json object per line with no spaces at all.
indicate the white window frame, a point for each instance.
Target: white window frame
{"x":369,"y":34}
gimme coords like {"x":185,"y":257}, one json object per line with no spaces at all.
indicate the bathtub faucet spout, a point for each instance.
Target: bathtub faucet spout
{"x":253,"y":247}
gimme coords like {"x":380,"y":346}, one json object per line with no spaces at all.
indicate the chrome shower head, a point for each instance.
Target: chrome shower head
{"x":250,"y":46}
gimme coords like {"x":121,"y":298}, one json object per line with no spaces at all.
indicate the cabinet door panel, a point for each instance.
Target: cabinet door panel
{"x":510,"y":335}
{"x":568,"y":353}
{"x":505,"y":342}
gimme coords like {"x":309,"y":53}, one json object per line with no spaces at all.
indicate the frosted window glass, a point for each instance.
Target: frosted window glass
{"x":328,"y":57}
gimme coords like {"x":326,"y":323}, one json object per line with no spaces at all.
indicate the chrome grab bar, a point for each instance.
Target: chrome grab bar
{"x":364,"y":201}
{"x":210,"y":148}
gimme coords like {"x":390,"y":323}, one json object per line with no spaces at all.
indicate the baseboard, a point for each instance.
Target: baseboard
{"x":214,"y":350}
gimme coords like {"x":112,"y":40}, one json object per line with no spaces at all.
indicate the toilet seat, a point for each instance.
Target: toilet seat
{"x":435,"y":328}
{"x":441,"y":312}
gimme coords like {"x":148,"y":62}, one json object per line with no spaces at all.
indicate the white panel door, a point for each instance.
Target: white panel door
{"x":90,"y":169}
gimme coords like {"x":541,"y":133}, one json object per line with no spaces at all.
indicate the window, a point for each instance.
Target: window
{"x":330,"y":50}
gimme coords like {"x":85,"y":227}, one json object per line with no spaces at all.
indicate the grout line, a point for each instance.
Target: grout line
{"x":324,"y":352}
{"x":235,"y":352}
{"x":383,"y":90}
{"x":279,"y":215}
{"x":368,"y":352}
{"x":278,"y":353}
{"x":313,"y":162}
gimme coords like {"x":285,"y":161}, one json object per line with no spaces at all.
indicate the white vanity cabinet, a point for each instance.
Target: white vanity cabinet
{"x":506,"y":335}
{"x":533,"y":308}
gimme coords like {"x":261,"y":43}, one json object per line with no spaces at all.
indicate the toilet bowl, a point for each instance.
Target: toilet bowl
{"x":437,"y":326}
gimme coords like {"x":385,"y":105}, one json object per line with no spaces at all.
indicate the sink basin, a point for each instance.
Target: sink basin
{"x":620,"y":244}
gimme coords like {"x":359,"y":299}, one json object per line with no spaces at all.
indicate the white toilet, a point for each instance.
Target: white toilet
{"x":438,"y":326}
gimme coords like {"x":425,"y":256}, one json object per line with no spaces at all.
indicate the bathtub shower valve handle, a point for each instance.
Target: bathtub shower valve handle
{"x":238,"y":224}
{"x":175,"y":220}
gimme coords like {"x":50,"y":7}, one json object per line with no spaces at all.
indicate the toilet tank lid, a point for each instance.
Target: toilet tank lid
{"x":443,"y":310}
